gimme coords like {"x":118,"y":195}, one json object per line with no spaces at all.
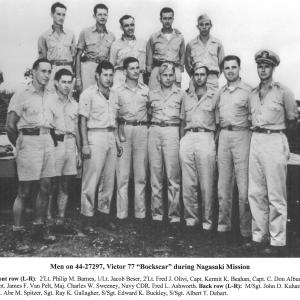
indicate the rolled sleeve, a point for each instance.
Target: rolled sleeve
{"x":84,"y":106}
{"x":290,"y":105}
{"x":15,"y":104}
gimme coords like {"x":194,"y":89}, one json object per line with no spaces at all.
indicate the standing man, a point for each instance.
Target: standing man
{"x":57,"y":44}
{"x":166,"y":45}
{"x":233,"y":147}
{"x":127,"y":46}
{"x":93,"y":47}
{"x":207,"y":50}
{"x":133,"y":103}
{"x":274,"y":112}
{"x":66,"y":135}
{"x":163,"y":145}
{"x":28,"y":127}
{"x":98,"y":107}
{"x":198,"y":151}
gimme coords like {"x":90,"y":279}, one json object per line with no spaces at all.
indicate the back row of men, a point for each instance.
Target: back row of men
{"x":127,"y":127}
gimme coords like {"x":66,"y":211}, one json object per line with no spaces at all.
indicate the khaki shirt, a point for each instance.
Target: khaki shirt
{"x":166,"y":109}
{"x":133,"y":102}
{"x":210,"y":54}
{"x":199,"y":113}
{"x":32,"y":108}
{"x":122,"y":49}
{"x":94,"y":44}
{"x":162,"y":49}
{"x":272,"y":111}
{"x":232,"y":105}
{"x":65,"y":113}
{"x":100,"y":112}
{"x":59,"y":47}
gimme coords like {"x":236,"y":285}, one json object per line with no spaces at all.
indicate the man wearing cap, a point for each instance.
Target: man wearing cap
{"x":165,"y":45}
{"x":163,"y":146}
{"x":28,"y":128}
{"x":98,"y":107}
{"x":233,"y":147}
{"x":57,"y":44}
{"x":127,"y":46}
{"x":198,"y":151}
{"x":207,"y":50}
{"x":93,"y":47}
{"x":274,"y":113}
{"x":133,"y":102}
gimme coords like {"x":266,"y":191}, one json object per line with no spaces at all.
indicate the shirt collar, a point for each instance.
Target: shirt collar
{"x":32,"y":89}
{"x":53,"y":30}
{"x":94,"y":28}
{"x":239,"y":85}
{"x":123,"y":38}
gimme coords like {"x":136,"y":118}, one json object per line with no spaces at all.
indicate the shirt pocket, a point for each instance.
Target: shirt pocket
{"x":32,"y":114}
{"x":98,"y":111}
{"x":275,"y":105}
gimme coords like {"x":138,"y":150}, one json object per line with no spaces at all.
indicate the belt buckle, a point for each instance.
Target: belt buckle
{"x":268,"y":131}
{"x":229,"y":127}
{"x":163,"y":124}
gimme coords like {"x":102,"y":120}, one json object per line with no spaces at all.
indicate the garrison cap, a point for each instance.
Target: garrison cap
{"x":199,"y":65}
{"x":267,"y":56}
{"x":166,"y":66}
{"x":204,"y":17}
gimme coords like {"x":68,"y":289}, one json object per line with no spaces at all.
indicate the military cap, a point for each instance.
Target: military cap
{"x":204,"y":17}
{"x":199,"y":65}
{"x":267,"y":56}
{"x":166,"y":66}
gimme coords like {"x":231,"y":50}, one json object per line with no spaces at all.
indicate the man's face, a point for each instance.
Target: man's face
{"x":128,"y":27}
{"x":204,"y":27}
{"x":105,"y":79}
{"x":42,"y":73}
{"x":167,"y":78}
{"x":64,"y":84}
{"x":133,"y":71}
{"x":200,"y":77}
{"x":59,"y":16}
{"x":167,"y":20}
{"x":101,"y":16}
{"x":231,"y":70}
{"x":265,"y":71}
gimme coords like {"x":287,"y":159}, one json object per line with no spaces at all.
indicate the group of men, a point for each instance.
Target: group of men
{"x":133,"y":117}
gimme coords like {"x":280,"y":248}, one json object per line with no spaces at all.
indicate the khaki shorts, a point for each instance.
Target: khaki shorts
{"x":35,"y":157}
{"x":65,"y":157}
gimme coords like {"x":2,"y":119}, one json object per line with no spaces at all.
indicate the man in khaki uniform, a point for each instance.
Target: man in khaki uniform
{"x":163,"y":145}
{"x":166,"y":45}
{"x":98,"y":107}
{"x":207,"y":50}
{"x":127,"y":46}
{"x":133,"y":102}
{"x":28,"y":127}
{"x":68,"y":148}
{"x":94,"y":43}
{"x":57,"y":44}
{"x":233,"y":147}
{"x":274,"y":110}
{"x":198,"y":151}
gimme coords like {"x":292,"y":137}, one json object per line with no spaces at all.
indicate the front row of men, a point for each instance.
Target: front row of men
{"x":125,"y":128}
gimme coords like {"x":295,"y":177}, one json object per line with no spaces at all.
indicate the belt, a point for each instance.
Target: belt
{"x":109,"y":129}
{"x":163,"y":124}
{"x":3,"y":132}
{"x":198,"y":129}
{"x":134,"y":123}
{"x":265,"y":130}
{"x":35,"y":131}
{"x":234,"y":128}
{"x":61,"y":137}
{"x":97,"y":59}
{"x":61,"y":63}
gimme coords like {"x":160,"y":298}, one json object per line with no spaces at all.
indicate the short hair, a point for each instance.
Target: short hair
{"x":62,"y":72}
{"x":38,"y":61}
{"x":104,"y":65}
{"x":57,"y":4}
{"x":166,"y":10}
{"x":125,"y":17}
{"x":228,"y":58}
{"x":203,"y":67}
{"x":128,"y":61}
{"x":100,"y":6}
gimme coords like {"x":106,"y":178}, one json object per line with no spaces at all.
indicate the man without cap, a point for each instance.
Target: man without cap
{"x":198,"y":151}
{"x":207,"y":50}
{"x":133,"y":103}
{"x":127,"y":46}
{"x":93,"y":47}
{"x":233,"y":147}
{"x":274,"y":112}
{"x":29,"y":121}
{"x":163,"y":146}
{"x":58,"y":44}
{"x":98,"y":107}
{"x":67,"y":148}
{"x":165,"y":45}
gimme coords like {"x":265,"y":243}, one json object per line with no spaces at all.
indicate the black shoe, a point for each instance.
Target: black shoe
{"x":274,"y":251}
{"x":192,"y":232}
{"x":174,"y":230}
{"x":18,"y":243}
{"x":140,"y":225}
{"x":104,"y":220}
{"x":89,"y":230}
{"x":63,"y":229}
{"x":225,"y":237}
{"x":42,"y":234}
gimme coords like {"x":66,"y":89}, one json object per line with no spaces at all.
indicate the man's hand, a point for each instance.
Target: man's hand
{"x":119,"y":149}
{"x":78,"y":160}
{"x":86,"y":152}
